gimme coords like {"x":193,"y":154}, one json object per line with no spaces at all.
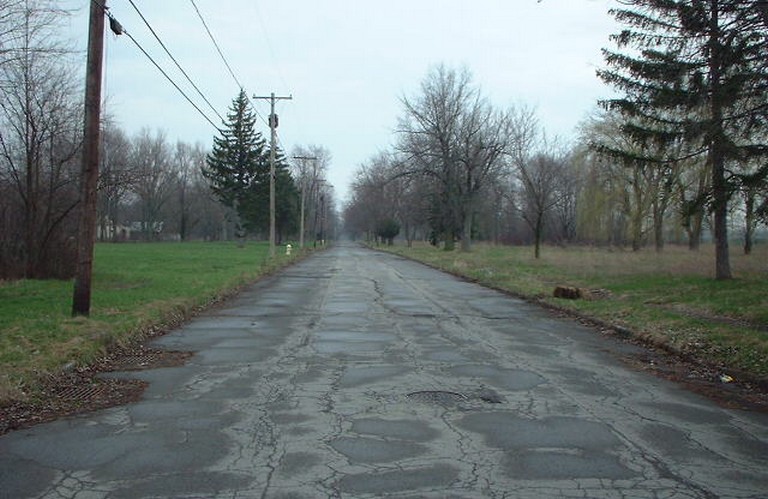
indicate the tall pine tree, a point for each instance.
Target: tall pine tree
{"x":694,"y":78}
{"x":237,"y":168}
{"x":286,"y":196}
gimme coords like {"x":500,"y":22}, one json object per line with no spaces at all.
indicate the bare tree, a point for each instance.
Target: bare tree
{"x":151,"y":157}
{"x":116,"y":179}
{"x":39,"y":141}
{"x":309,"y":175}
{"x":13,"y":28}
{"x":188,"y":162}
{"x":369,"y":205}
{"x":449,"y":132}
{"x":692,"y":187}
{"x":538,"y":178}
{"x":567,"y":190}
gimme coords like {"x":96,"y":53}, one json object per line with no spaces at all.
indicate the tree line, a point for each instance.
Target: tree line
{"x":238,"y":169}
{"x":679,"y":154}
{"x":149,"y":188}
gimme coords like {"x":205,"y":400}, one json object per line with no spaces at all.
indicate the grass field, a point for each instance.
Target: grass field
{"x":669,"y":298}
{"x":136,"y":288}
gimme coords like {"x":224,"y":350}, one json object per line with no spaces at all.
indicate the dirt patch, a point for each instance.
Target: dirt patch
{"x":727,"y":391}
{"x":81,"y":390}
{"x":726,"y":387}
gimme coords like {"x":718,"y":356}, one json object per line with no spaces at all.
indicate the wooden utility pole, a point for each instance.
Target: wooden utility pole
{"x":273,"y":145}
{"x":89,"y":176}
{"x":303,"y":196}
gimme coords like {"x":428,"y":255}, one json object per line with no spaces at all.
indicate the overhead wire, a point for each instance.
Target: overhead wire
{"x":269,"y":43}
{"x":271,"y":50}
{"x":215,"y":44}
{"x":226,"y":63}
{"x":114,"y":23}
{"x":199,"y":92}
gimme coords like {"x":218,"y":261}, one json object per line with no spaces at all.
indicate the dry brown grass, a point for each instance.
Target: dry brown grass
{"x":672,"y":261}
{"x":670,"y":296}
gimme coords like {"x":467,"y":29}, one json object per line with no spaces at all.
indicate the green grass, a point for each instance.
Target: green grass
{"x":668,"y":298}
{"x":136,"y":288}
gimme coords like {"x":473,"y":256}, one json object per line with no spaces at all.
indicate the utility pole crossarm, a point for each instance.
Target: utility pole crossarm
{"x":273,"y":144}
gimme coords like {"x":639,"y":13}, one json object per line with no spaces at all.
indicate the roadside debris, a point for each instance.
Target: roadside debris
{"x":724,"y":378}
{"x":574,"y":293}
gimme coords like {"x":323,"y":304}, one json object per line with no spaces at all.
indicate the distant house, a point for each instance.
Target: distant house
{"x":108,"y":231}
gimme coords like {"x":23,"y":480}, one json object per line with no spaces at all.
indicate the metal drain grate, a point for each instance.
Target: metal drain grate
{"x":99,"y":391}
{"x":84,"y":392}
{"x":150,"y":359}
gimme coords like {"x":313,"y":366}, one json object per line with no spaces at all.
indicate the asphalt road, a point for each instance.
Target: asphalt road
{"x":360,"y":374}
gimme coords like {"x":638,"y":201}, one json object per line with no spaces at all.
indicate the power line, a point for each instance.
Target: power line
{"x":174,"y":60}
{"x":120,"y":30}
{"x":224,"y":59}
{"x":218,"y":49}
{"x":268,"y":43}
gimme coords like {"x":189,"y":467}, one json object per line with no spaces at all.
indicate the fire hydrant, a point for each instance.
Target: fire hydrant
{"x":288,"y":249}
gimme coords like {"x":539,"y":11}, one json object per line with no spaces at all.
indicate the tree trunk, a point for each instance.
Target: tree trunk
{"x":695,"y":223}
{"x":408,"y":237}
{"x":184,"y":213}
{"x":717,"y":150}
{"x":637,"y":231}
{"x":749,"y":221}
{"x":450,"y":241}
{"x":722,"y":258}
{"x":539,"y":228}
{"x":466,"y":239}
{"x":658,"y":228}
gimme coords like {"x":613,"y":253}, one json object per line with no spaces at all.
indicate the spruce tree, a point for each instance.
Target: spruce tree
{"x":286,"y":195}
{"x":288,"y":199}
{"x":235,"y":168}
{"x":694,"y":76}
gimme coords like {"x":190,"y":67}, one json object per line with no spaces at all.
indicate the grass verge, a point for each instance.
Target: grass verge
{"x":669,"y":298}
{"x":137,"y":289}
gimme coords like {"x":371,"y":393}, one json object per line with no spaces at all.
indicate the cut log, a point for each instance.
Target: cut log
{"x":568,"y":292}
{"x":574,"y":293}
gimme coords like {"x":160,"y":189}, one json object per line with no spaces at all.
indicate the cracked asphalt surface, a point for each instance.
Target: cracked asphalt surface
{"x":361,"y":374}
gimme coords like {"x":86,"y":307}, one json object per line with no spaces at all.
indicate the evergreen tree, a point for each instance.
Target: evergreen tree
{"x":694,"y":78}
{"x":238,"y":166}
{"x":286,"y":198}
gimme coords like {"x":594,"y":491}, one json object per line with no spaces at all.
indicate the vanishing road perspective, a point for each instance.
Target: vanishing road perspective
{"x":357,"y":373}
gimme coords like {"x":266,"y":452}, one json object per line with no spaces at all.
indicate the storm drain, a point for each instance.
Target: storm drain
{"x":150,"y":359}
{"x":451,"y":399}
{"x":89,"y":392}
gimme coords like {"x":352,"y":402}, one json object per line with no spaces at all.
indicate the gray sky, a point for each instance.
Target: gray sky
{"x":347,"y":63}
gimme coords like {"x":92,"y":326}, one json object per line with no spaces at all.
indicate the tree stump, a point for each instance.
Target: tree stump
{"x":569,"y":293}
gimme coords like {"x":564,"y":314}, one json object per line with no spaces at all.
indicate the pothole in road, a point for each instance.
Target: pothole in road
{"x":451,"y":399}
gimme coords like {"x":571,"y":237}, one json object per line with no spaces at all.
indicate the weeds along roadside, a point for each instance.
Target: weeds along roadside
{"x":668,"y":299}
{"x":139,"y":290}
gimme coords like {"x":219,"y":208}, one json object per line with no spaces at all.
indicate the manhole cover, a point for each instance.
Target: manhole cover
{"x":438,"y":397}
{"x":446,"y":398}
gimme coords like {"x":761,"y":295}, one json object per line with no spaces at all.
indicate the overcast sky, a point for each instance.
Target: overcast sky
{"x":347,"y":63}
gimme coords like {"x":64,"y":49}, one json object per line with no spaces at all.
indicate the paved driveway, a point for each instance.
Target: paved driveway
{"x":357,"y":374}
